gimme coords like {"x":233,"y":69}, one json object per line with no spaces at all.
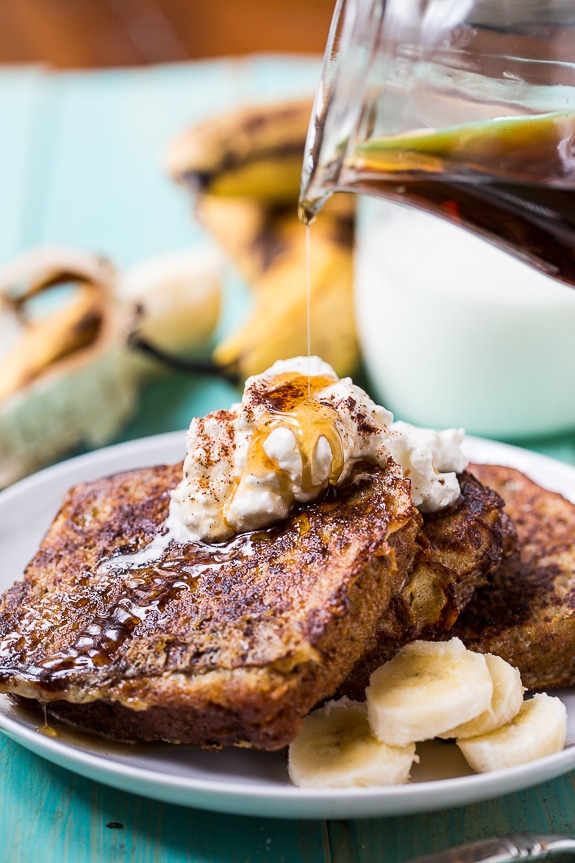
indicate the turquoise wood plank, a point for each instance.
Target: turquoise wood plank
{"x":268,"y":77}
{"x":22,"y":93}
{"x":49,"y":814}
{"x":82,"y":151}
{"x":546,"y":808}
{"x":44,"y":809}
{"x":108,"y":188}
{"x":170,"y":402}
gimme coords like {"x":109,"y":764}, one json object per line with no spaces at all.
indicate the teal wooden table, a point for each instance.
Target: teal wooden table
{"x":80,"y":165}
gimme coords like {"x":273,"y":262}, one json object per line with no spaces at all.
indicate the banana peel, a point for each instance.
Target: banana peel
{"x":78,"y":403}
{"x":243,"y":169}
{"x":278,"y":324}
{"x":64,"y":367}
{"x":45,"y":342}
{"x":69,"y":377}
{"x":178,"y":297}
{"x":254,"y":151}
{"x":241,"y":228}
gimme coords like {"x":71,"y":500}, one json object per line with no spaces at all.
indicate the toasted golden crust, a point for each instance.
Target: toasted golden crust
{"x":457,"y":549}
{"x":215,"y":645}
{"x":526,"y":613}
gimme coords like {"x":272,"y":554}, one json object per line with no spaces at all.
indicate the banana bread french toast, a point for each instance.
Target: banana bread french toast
{"x":214,"y":645}
{"x":526,"y":613}
{"x":232,"y":643}
{"x":458,"y":548}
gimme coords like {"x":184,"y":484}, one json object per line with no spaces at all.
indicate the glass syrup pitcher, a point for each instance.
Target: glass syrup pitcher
{"x":463,"y":108}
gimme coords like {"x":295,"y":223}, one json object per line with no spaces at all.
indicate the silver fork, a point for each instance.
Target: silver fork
{"x":501,"y":849}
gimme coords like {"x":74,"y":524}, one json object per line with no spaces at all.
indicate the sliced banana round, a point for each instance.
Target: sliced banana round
{"x":539,"y":729}
{"x":505,"y":703}
{"x":337,"y":749}
{"x":426,"y":689}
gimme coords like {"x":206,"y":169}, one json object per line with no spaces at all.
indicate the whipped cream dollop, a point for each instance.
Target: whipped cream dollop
{"x":298,"y":429}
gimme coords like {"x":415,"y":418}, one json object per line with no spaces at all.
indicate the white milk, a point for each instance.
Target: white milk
{"x":456,"y":332}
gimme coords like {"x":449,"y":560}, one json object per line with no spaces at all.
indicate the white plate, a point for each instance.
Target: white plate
{"x":239,"y":781}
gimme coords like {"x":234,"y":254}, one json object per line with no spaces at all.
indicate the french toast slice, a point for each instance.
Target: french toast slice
{"x":526,"y":613}
{"x":458,"y":548}
{"x":228,"y":644}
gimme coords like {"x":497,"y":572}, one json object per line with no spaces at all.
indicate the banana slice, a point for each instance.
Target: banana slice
{"x":426,"y":689}
{"x":337,"y":749}
{"x":505,"y":703}
{"x":539,"y":729}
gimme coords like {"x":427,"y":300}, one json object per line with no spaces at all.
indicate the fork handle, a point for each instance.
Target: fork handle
{"x":502,"y":849}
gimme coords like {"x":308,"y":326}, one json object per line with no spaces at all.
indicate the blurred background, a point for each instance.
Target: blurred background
{"x":113,"y":146}
{"x":94,"y":96}
{"x":103,"y":33}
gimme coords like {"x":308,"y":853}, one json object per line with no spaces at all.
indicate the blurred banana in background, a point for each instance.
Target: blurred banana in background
{"x":255,"y":151}
{"x":243,"y":169}
{"x":79,"y":338}
{"x":69,"y":376}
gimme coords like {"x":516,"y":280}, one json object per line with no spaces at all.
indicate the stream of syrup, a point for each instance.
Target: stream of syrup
{"x":308,"y":302}
{"x":46,"y":729}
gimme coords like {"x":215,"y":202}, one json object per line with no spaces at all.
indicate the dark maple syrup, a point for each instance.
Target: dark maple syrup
{"x":510,"y":180}
{"x":291,"y":402}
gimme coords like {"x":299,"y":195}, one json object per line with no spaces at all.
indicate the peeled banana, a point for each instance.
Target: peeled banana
{"x":177,"y":297}
{"x":68,"y":374}
{"x":428,"y":689}
{"x":244,"y":170}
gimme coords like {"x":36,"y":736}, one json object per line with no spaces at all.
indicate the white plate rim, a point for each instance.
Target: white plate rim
{"x":261,"y":798}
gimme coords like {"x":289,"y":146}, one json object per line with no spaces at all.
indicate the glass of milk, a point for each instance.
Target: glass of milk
{"x":457,"y":333}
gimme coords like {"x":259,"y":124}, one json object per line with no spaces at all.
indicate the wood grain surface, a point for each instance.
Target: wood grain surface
{"x":49,"y":814}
